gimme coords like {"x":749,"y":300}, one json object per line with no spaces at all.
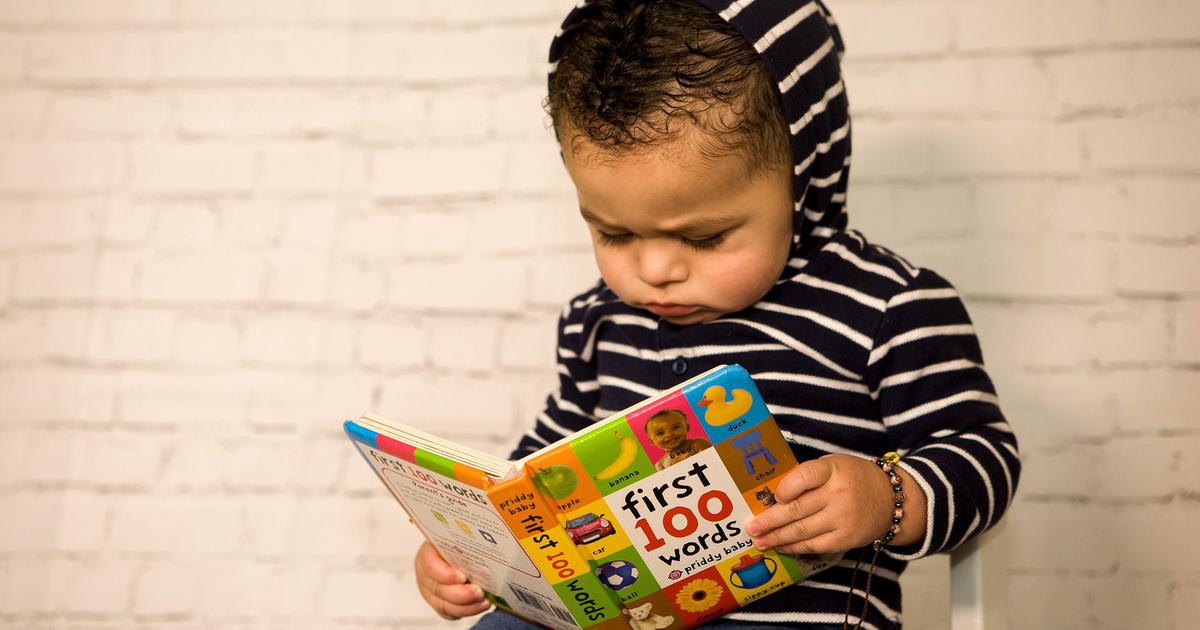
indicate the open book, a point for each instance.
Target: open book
{"x":636,"y":521}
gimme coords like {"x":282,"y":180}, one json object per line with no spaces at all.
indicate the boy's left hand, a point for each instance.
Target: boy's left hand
{"x":836,"y":503}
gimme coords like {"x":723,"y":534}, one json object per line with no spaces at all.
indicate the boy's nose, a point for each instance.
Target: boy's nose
{"x":660,"y":262}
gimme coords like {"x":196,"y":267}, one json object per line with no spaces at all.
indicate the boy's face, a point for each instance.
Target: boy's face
{"x":667,"y":432}
{"x":686,"y":238}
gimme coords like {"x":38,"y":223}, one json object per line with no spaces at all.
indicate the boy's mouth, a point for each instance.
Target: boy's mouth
{"x":671,"y":310}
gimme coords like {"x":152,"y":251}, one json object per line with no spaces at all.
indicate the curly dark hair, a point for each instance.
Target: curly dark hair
{"x":640,"y":73}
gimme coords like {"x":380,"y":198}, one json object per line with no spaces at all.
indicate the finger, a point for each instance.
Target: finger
{"x":458,"y":594}
{"x":431,"y":565}
{"x":805,"y":476}
{"x":796,"y":531}
{"x":458,"y":611}
{"x":825,"y":543}
{"x":781,"y":514}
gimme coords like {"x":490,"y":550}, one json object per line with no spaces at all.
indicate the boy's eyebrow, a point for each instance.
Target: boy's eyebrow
{"x":695,"y":225}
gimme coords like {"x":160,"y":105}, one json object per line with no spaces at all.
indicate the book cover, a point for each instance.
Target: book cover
{"x":637,"y":521}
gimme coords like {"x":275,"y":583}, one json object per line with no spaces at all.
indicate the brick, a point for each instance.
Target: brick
{"x":249,"y":224}
{"x":263,"y":111}
{"x":19,"y":13}
{"x":12,"y":52}
{"x":206,"y":342}
{"x":1091,"y":80}
{"x":231,"y":591}
{"x":1033,"y":337}
{"x":1049,"y":409}
{"x":1154,"y":269}
{"x":1154,"y":79}
{"x":261,"y":464}
{"x":1185,"y":342}
{"x":558,"y":277}
{"x":308,"y":169}
{"x":891,"y":149}
{"x":292,"y":591}
{"x":1127,"y":602}
{"x":324,"y":463}
{"x":895,"y":213}
{"x":1011,"y":87}
{"x":12,"y":218}
{"x":510,"y":227}
{"x":1017,"y":268}
{"x":61,"y":167}
{"x":1161,"y":208}
{"x":134,"y":337}
{"x":357,"y":286}
{"x":22,"y":112}
{"x":202,"y":278}
{"x":1141,"y":144}
{"x":559,"y":225}
{"x":365,"y":593}
{"x":1049,"y":537}
{"x":228,"y":12}
{"x":167,"y":169}
{"x":458,"y":286}
{"x":116,"y":276}
{"x":885,"y":28}
{"x":379,"y":56}
{"x":460,"y":116}
{"x":1154,"y":399}
{"x":97,"y":587}
{"x":1088,"y":208}
{"x":33,"y":530}
{"x":282,"y":339}
{"x":285,"y":401}
{"x":165,"y":590}
{"x":1053,"y":471}
{"x":388,"y":539}
{"x":109,"y":12}
{"x":519,"y":115}
{"x":330,"y":526}
{"x":1133,"y":335}
{"x":392,"y":344}
{"x":83,"y":517}
{"x":1185,"y":600}
{"x":1170,"y":523}
{"x":187,"y":225}
{"x":991,"y":147}
{"x":6,"y":274}
{"x":45,"y":334}
{"x":433,"y":234}
{"x":1152,"y":21}
{"x":385,"y":12}
{"x":157,"y":524}
{"x":128,"y":224}
{"x":310,"y":226}
{"x":89,"y":57}
{"x":30,"y":586}
{"x":1027,"y":25}
{"x":57,"y":393}
{"x":54,"y":277}
{"x":392,"y":116}
{"x":298,"y":279}
{"x":437,"y":404}
{"x":528,"y":343}
{"x":60,"y":224}
{"x":192,"y":464}
{"x":1152,"y":478}
{"x":1049,"y":601}
{"x":458,"y":59}
{"x":463,"y":344}
{"x":220,"y":55}
{"x":918,"y":86}
{"x":178,"y":399}
{"x":444,"y":170}
{"x":541,"y":170}
{"x":109,"y":115}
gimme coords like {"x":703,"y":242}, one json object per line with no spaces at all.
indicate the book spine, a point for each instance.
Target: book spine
{"x":536,"y":526}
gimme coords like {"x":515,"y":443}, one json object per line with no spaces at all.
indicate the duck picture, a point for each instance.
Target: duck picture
{"x":719,"y":411}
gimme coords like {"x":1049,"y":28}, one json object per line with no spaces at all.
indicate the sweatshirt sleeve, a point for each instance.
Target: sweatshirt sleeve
{"x":569,"y":406}
{"x":942,"y":414}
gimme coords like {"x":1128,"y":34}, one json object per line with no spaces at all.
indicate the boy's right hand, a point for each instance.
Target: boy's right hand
{"x":445,"y":588}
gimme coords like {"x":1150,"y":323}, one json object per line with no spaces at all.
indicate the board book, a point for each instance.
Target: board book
{"x":637,"y":521}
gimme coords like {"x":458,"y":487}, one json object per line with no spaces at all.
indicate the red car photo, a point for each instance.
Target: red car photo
{"x":589,"y":528}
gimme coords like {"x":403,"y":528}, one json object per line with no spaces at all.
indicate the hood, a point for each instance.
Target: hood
{"x":801,"y":47}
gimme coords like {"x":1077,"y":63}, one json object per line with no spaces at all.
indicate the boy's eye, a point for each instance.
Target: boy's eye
{"x":612,"y":239}
{"x":704,"y":243}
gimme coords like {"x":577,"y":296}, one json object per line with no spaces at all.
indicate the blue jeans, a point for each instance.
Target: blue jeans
{"x":500,"y":620}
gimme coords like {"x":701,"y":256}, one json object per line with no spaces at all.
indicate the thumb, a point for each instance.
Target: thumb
{"x":805,"y":476}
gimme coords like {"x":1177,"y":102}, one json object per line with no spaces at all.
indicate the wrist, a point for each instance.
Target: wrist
{"x":914,"y":521}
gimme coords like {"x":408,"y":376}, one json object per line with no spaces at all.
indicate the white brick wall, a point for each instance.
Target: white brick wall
{"x":226,"y":225}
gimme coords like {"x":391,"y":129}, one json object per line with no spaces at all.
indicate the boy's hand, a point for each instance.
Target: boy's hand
{"x":836,"y":503}
{"x":445,"y":588}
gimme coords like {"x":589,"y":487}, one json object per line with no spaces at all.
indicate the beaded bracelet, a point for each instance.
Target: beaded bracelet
{"x":888,"y":464}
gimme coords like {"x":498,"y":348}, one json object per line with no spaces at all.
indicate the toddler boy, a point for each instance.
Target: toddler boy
{"x":709,"y":145}
{"x":668,"y":430}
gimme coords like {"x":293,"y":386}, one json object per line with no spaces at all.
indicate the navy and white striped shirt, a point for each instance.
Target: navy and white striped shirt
{"x":855,"y":350}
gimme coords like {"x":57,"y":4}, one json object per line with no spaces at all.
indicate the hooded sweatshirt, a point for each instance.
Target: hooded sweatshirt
{"x":855,"y":350}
